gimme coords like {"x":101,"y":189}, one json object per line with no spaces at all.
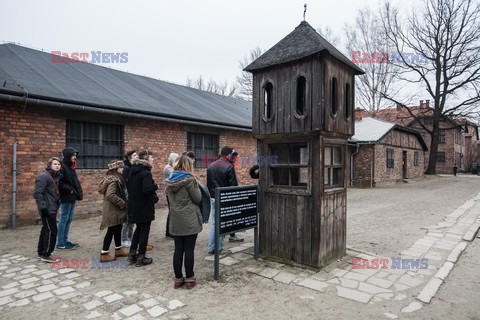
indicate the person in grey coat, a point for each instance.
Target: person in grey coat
{"x":47,"y":196}
{"x":186,"y":220}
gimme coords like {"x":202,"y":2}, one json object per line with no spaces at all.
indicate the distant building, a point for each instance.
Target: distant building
{"x":383,"y":153}
{"x":457,"y":141}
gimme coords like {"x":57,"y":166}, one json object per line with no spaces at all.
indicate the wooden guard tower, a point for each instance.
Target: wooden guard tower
{"x":303,"y":102}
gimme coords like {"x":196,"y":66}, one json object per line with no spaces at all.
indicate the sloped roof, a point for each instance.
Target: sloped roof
{"x":94,"y":85}
{"x":371,"y":130}
{"x":300,"y":43}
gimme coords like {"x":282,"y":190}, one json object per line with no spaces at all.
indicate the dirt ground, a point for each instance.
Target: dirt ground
{"x":384,"y":221}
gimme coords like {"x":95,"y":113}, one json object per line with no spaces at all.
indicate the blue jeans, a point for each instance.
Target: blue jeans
{"x":67,"y":211}
{"x":211,"y":239}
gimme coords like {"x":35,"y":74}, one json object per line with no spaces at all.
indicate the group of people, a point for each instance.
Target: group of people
{"x":129,"y":197}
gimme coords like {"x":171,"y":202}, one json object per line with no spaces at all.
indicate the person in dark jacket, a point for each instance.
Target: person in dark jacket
{"x":127,"y":228}
{"x":47,"y":196}
{"x":114,"y":209}
{"x":220,"y":173}
{"x":70,"y":192}
{"x":141,"y":205}
{"x":186,"y":220}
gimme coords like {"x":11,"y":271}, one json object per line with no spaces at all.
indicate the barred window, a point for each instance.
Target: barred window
{"x":205,"y":147}
{"x":441,"y":136}
{"x":440,"y":156}
{"x":415,"y":159}
{"x":97,"y":143}
{"x":333,"y":167}
{"x":289,"y":165}
{"x":390,"y":159}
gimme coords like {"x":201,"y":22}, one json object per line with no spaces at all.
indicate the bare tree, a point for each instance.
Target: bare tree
{"x":329,"y":35}
{"x":245,"y":79}
{"x":368,"y":47}
{"x":212,"y":86}
{"x":444,"y":37}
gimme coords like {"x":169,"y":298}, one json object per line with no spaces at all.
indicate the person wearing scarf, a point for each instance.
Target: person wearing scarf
{"x":184,"y":197}
{"x":47,"y":196}
{"x":70,"y":192}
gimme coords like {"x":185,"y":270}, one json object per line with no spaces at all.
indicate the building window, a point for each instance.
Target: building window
{"x":289,"y":165}
{"x":334,"y":98}
{"x":97,"y":143}
{"x":333,"y":167}
{"x":441,"y":136}
{"x":390,"y":159}
{"x":267,"y":101}
{"x":416,"y":161}
{"x":440,"y":156}
{"x":301,"y":95}
{"x":347,"y":100}
{"x":205,"y":147}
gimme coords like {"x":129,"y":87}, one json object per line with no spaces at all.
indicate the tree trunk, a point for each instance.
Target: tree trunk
{"x":432,"y":159}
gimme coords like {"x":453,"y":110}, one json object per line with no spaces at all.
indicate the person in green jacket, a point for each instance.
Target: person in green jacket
{"x":186,"y":220}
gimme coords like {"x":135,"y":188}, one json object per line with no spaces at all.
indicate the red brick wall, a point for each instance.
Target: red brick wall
{"x":41,"y":136}
{"x":362,"y":165}
{"x":448,"y":147}
{"x":377,"y":153}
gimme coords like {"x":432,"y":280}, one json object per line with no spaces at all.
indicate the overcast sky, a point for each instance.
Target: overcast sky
{"x":168,"y":40}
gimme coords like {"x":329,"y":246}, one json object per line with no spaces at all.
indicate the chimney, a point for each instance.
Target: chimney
{"x":422,"y":104}
{"x":358,"y":114}
{"x":427,"y":103}
{"x":399,"y":107}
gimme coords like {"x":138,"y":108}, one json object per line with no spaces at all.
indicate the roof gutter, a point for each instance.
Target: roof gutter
{"x":76,"y":107}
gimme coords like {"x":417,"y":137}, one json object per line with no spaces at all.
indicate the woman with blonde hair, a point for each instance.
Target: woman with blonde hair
{"x":184,"y":195}
{"x":114,"y":190}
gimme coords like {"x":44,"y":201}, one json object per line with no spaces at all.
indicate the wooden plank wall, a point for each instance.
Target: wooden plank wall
{"x":333,"y":226}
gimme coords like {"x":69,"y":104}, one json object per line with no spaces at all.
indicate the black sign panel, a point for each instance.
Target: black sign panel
{"x":236,"y":208}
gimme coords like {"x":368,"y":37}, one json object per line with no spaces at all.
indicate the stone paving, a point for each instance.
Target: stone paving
{"x":413,"y":285}
{"x":24,"y":281}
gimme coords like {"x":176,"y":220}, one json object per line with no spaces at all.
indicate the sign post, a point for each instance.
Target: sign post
{"x":235,"y":210}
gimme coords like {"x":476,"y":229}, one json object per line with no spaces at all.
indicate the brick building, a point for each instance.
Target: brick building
{"x":457,"y":141}
{"x":383,"y":153}
{"x":46,"y":106}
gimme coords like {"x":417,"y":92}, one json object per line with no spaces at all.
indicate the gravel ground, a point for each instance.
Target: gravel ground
{"x":384,"y":221}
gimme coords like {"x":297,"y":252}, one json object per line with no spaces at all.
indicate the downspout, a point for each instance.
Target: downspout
{"x":14,"y":186}
{"x":351,"y":162}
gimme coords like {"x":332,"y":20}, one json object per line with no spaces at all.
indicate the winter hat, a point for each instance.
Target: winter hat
{"x":114,"y":164}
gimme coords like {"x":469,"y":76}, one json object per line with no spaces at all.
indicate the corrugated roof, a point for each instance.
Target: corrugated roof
{"x":86,"y":83}
{"x":371,"y":130}
{"x":300,"y":43}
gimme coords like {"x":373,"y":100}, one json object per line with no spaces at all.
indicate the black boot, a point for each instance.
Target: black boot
{"x":132,"y":257}
{"x":143,"y":261}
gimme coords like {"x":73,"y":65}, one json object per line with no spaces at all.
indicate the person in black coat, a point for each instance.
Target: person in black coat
{"x":47,"y":196}
{"x":70,"y":192}
{"x":127,"y":228}
{"x":141,"y":205}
